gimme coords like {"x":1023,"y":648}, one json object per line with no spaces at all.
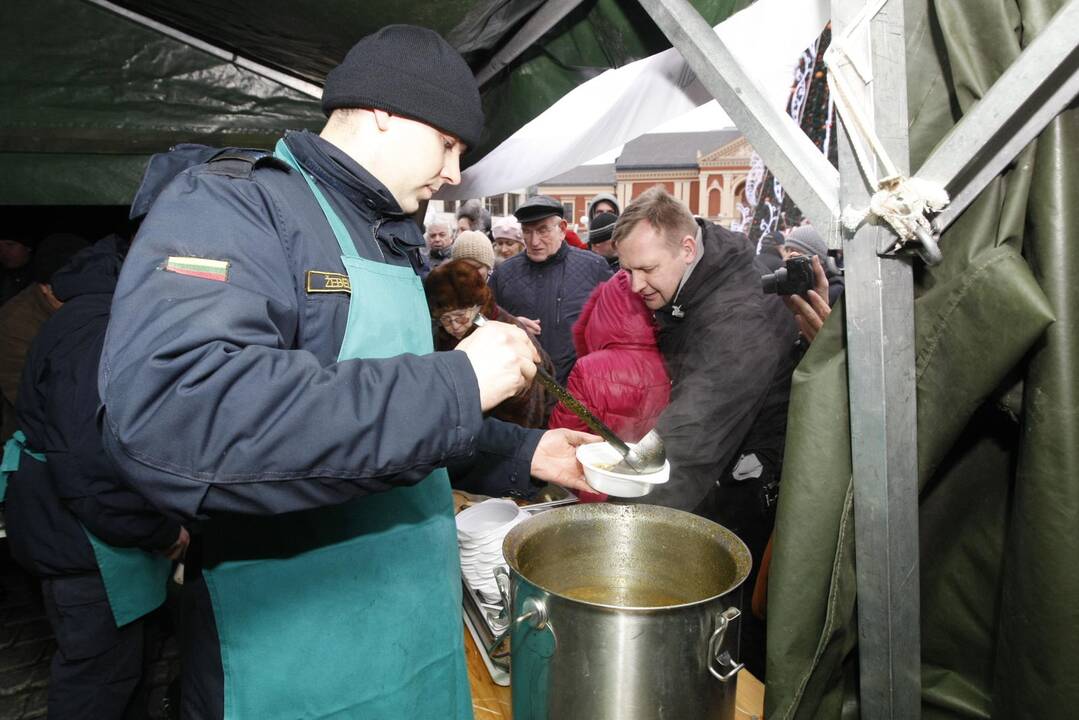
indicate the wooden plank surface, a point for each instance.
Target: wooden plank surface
{"x":489,"y":701}
{"x":492,"y":702}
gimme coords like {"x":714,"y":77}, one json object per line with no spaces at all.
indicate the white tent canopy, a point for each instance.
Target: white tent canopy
{"x":619,"y":105}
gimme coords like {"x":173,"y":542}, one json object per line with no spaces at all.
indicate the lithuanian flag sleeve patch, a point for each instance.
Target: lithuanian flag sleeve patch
{"x":199,"y":267}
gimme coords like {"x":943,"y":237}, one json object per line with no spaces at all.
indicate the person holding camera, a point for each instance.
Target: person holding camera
{"x":810,"y":307}
{"x":808,"y":281}
{"x":805,"y":241}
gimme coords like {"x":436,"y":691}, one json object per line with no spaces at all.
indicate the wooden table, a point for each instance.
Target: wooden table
{"x":492,"y":702}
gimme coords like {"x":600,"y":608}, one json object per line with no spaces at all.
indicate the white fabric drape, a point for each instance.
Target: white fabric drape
{"x":619,"y":105}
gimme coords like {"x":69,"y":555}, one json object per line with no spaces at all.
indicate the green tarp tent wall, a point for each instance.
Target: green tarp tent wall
{"x":87,"y":94}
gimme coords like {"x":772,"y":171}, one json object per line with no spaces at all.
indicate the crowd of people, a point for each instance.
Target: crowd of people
{"x":279,"y":378}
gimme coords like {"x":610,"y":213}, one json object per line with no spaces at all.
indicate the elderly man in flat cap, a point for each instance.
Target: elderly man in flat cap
{"x":547,"y":285}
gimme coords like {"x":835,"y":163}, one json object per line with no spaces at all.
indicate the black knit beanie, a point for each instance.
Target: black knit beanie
{"x":412,"y":72}
{"x":601,"y":229}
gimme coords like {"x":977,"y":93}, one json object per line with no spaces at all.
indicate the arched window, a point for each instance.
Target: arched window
{"x":713,"y":201}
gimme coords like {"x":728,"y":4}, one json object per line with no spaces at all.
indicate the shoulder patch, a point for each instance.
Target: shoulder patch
{"x":198,"y":267}
{"x":320,"y":281}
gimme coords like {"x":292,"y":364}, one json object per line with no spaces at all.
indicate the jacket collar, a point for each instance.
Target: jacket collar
{"x":711,"y":270}
{"x":558,"y":256}
{"x":328,"y":163}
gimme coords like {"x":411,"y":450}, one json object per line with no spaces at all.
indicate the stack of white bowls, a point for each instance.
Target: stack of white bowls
{"x":480,"y":531}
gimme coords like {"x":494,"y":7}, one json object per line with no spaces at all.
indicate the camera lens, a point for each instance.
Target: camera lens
{"x":770,"y":283}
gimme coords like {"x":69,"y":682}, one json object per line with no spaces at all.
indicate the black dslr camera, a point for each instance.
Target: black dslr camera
{"x":794,"y":278}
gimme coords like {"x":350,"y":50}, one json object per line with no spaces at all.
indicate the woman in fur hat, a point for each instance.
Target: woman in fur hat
{"x":456,"y":293}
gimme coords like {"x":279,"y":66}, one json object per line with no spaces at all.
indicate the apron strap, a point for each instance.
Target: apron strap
{"x":344,"y":239}
{"x":13,"y":450}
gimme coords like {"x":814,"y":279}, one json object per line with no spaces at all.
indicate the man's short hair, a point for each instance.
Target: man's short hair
{"x":660,"y":210}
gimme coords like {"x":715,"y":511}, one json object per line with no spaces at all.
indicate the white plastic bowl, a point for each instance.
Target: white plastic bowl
{"x":598,"y":458}
{"x":483,"y":581}
{"x":482,"y":566}
{"x":481,"y":522}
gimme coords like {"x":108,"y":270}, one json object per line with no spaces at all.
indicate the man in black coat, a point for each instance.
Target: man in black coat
{"x":51,"y":505}
{"x":730,"y":352}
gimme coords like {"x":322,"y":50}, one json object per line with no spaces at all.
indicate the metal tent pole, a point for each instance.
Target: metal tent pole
{"x":879,"y":301}
{"x":880,"y":327}
{"x":879,"y":290}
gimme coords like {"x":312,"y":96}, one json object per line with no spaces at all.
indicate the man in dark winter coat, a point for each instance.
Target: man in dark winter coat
{"x":54,"y":506}
{"x":730,"y":351}
{"x":269,"y":370}
{"x":547,"y":285}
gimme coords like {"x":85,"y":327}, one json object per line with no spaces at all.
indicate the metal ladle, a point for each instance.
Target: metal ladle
{"x":647,"y":456}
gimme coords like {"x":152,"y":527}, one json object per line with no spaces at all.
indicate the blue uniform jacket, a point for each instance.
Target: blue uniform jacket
{"x":58,"y":403}
{"x":225,"y":395}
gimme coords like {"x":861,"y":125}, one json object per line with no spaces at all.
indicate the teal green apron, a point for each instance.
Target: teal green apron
{"x":135,"y":580}
{"x":350,"y":611}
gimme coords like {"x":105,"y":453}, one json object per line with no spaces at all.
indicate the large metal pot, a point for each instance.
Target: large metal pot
{"x":620,"y":612}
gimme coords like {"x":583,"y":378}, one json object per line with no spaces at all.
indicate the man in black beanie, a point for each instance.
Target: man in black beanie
{"x":600,"y":231}
{"x":269,"y":372}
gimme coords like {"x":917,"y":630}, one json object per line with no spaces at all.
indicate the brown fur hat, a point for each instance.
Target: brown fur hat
{"x":455,"y":285}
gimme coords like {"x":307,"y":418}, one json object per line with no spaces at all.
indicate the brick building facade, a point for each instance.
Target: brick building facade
{"x":705,"y":170}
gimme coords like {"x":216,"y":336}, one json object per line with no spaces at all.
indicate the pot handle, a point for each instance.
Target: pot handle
{"x":535,"y":614}
{"x":716,"y":655}
{"x":501,"y":619}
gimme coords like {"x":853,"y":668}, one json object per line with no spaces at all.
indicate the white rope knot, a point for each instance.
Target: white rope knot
{"x":903,"y":203}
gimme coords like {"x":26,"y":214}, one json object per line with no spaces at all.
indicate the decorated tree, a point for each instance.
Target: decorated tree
{"x":810,"y":106}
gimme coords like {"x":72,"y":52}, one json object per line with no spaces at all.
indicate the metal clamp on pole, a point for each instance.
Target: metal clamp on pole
{"x":904,"y":204}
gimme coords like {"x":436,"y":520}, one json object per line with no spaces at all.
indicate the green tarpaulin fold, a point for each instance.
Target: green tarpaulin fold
{"x":998,"y":434}
{"x":93,"y":96}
